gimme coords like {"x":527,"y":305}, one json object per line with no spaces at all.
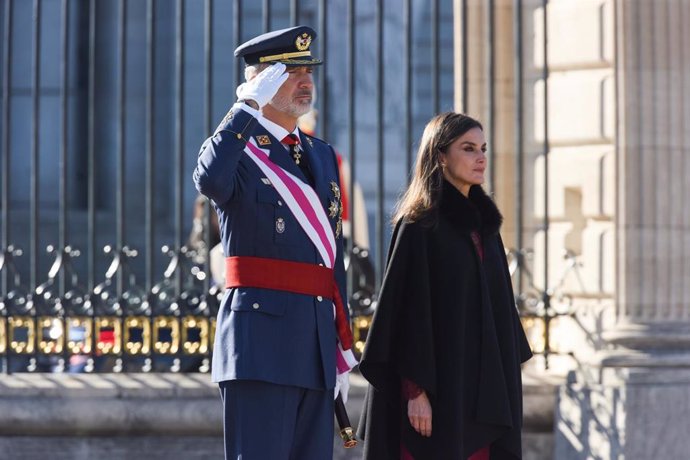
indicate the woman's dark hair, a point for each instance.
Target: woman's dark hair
{"x":421,"y":198}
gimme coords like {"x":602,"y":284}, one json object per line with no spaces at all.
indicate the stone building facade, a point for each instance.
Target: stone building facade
{"x":605,"y":176}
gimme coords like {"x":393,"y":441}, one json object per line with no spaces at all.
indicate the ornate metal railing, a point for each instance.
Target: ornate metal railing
{"x":164,"y":328}
{"x":362,"y":302}
{"x":167,"y":328}
{"x":539,"y":307}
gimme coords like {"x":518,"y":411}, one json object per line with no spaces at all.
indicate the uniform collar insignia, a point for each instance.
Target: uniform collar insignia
{"x":263,"y":139}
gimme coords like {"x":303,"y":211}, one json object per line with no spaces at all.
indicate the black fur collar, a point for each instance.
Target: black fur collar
{"x":478,"y":212}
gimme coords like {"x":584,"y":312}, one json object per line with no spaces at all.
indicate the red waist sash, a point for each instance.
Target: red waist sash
{"x":295,"y":277}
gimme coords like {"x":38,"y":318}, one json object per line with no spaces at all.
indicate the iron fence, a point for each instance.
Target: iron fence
{"x":114,"y":98}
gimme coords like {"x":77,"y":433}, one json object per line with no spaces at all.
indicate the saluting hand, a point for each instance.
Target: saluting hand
{"x":419,"y":413}
{"x":264,"y":86}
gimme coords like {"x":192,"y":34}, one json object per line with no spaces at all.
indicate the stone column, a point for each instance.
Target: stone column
{"x":633,"y":400}
{"x":477,"y":81}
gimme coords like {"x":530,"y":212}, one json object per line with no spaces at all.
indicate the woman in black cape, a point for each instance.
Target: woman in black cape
{"x":444,"y":351}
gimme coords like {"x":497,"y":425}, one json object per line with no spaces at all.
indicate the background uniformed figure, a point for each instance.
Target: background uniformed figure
{"x":274,"y":352}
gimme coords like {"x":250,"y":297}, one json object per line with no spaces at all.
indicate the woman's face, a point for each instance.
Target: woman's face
{"x":464,"y":161}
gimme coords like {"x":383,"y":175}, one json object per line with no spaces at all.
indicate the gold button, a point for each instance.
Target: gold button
{"x":255,"y":306}
{"x":319,"y":298}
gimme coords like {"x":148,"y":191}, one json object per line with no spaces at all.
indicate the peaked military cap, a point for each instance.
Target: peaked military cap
{"x":289,"y":46}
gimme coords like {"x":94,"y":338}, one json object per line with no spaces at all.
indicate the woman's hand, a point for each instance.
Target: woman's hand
{"x":419,"y":413}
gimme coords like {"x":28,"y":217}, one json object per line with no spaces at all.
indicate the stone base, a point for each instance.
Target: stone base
{"x":537,"y":446}
{"x":538,"y":399}
{"x":109,"y":404}
{"x":112,"y":448}
{"x":635,"y":413}
{"x":170,"y":416}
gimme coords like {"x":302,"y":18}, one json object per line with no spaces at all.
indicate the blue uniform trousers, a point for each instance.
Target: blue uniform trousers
{"x":265,"y":421}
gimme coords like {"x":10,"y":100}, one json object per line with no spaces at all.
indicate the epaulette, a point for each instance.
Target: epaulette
{"x":312,"y":139}
{"x":225,"y":124}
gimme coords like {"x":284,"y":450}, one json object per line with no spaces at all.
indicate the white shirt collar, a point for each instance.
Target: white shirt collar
{"x":276,"y":130}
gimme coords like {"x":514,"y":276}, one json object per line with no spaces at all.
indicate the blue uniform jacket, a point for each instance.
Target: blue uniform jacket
{"x":262,"y":334}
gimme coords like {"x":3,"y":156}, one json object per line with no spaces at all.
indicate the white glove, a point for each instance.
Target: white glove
{"x":239,"y":90}
{"x":342,"y":385}
{"x":264,"y":86}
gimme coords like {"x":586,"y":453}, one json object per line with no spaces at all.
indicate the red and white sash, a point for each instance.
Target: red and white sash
{"x":305,"y":205}
{"x":302,"y":201}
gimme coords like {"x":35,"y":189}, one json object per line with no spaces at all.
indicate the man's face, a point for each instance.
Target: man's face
{"x":295,"y":96}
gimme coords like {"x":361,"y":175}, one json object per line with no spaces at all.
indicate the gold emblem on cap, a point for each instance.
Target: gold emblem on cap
{"x":263,"y":140}
{"x":303,"y":41}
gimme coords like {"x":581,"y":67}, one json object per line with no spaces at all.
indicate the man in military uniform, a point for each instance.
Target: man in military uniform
{"x":282,"y":340}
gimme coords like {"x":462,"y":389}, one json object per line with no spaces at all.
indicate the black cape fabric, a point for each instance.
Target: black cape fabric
{"x":446,"y":320}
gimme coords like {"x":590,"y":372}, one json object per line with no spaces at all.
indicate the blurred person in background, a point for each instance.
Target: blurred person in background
{"x":203,"y":249}
{"x":353,"y":203}
{"x":358,"y":264}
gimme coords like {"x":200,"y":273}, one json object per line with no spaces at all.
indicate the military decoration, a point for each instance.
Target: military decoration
{"x":263,"y":140}
{"x":335,"y":210}
{"x":303,"y":41}
{"x":311,"y":143}
{"x":280,"y":225}
{"x":335,"y":189}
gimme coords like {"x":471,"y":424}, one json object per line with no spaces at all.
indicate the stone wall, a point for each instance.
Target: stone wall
{"x":630,"y":400}
{"x":579,"y":215}
{"x":167,"y":417}
{"x":605,"y":141}
{"x":580,"y":209}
